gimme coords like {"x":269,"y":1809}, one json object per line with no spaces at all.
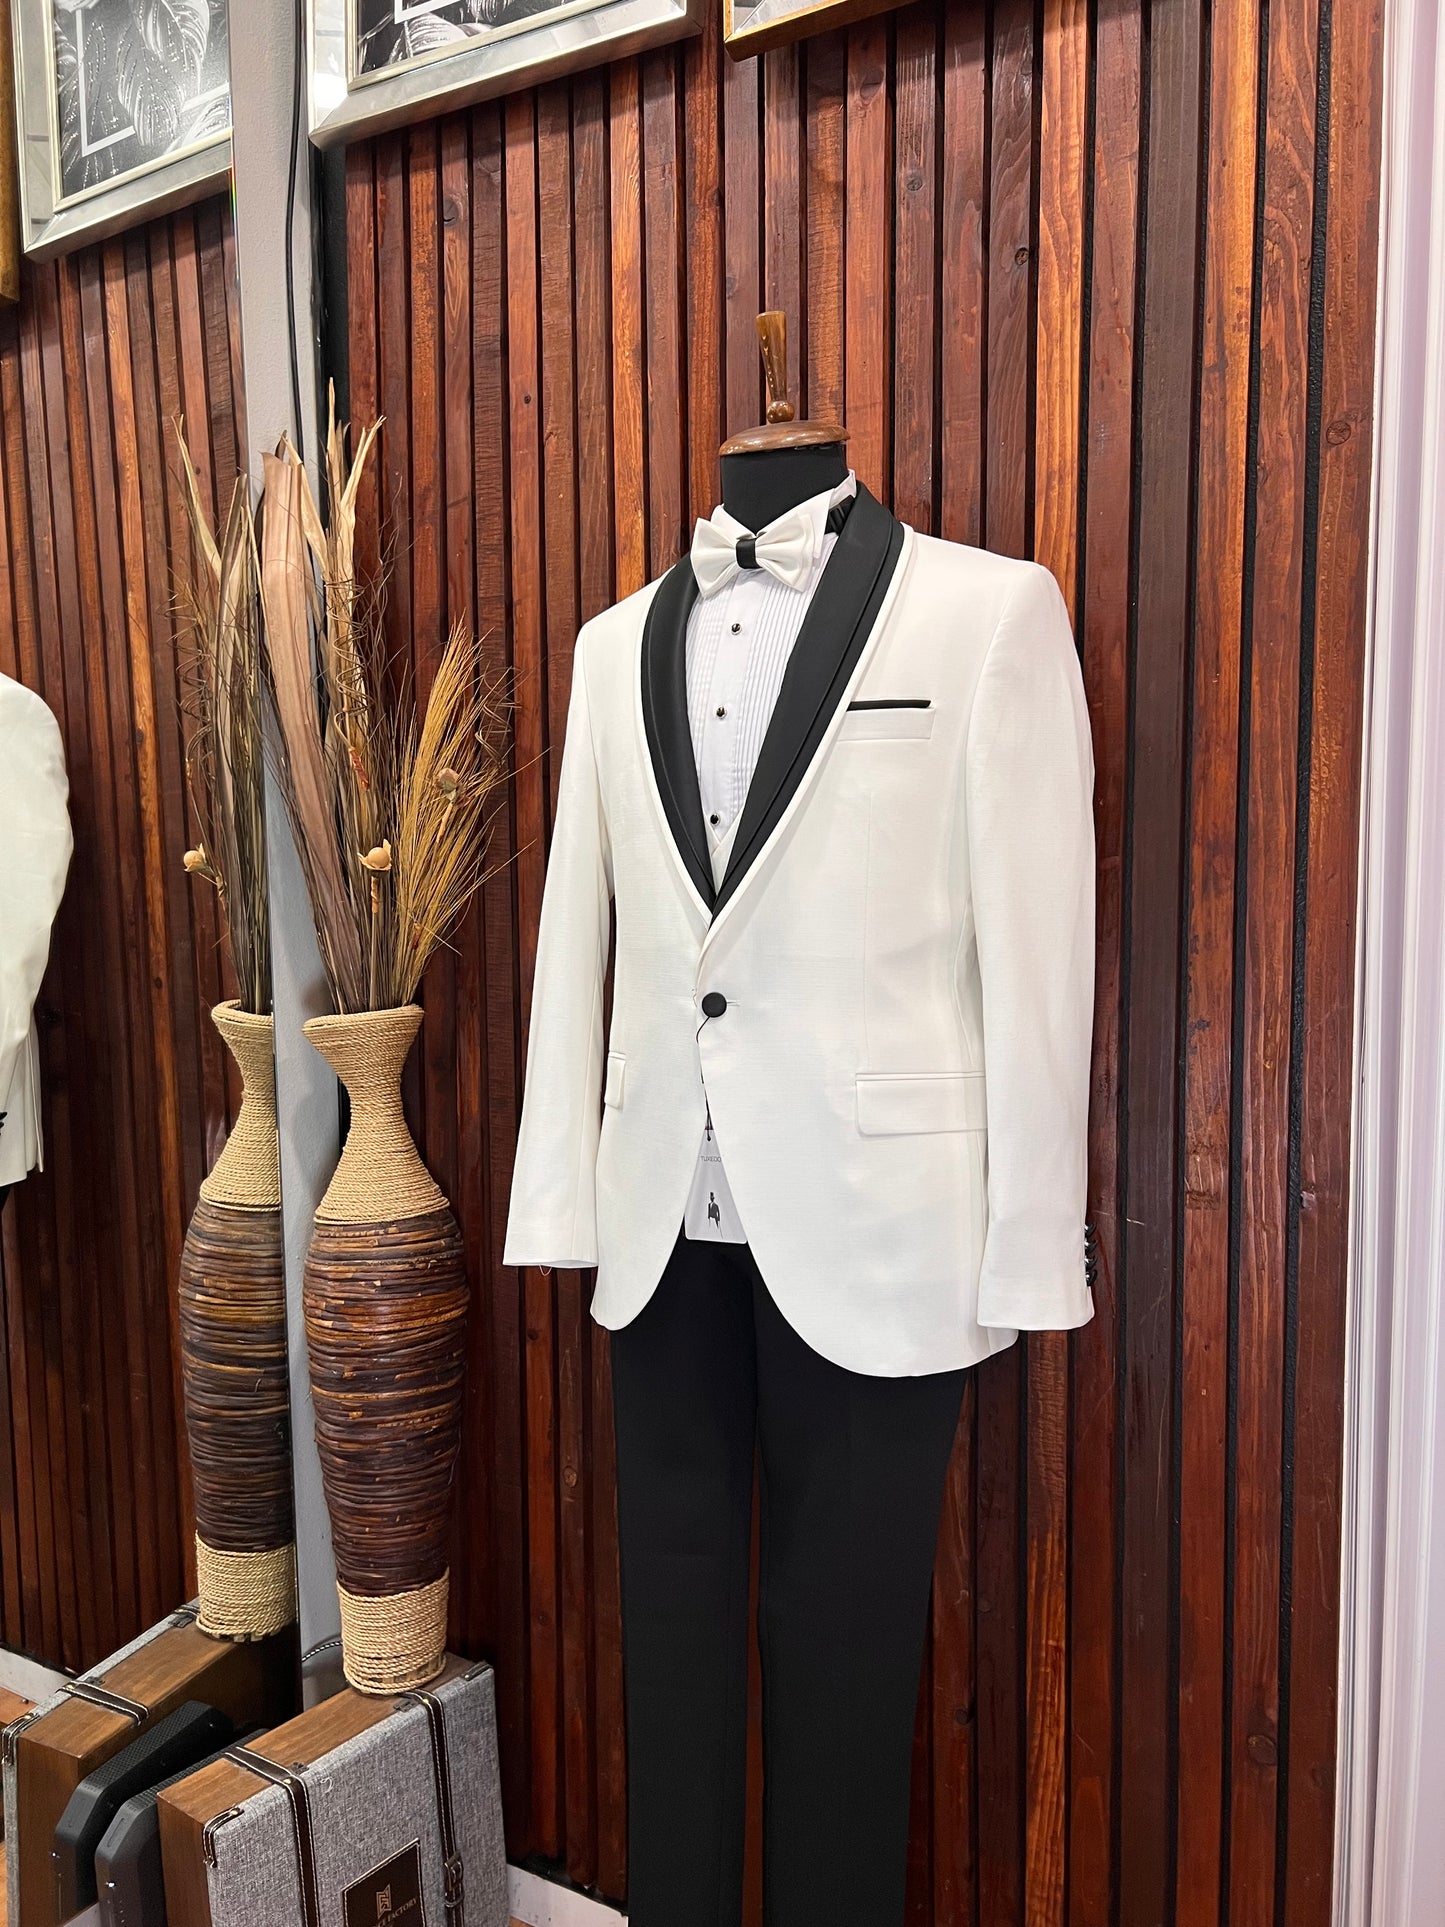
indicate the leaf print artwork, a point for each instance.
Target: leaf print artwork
{"x":389,"y":33}
{"x":136,"y":82}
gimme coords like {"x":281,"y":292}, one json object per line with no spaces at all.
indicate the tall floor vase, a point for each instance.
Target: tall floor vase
{"x":233,"y":1362}
{"x":386,"y":1307}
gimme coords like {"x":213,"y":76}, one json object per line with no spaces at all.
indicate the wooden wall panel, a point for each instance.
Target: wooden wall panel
{"x":105,"y":350}
{"x":1066,"y":269}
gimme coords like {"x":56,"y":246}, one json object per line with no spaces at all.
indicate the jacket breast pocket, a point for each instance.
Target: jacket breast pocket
{"x":895,"y":723}
{"x":614,"y":1090}
{"x":921,"y":1102}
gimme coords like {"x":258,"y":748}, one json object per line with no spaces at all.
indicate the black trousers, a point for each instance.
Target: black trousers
{"x":852,"y":1472}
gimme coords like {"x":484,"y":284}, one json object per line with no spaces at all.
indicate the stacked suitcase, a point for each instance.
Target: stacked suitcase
{"x":51,"y":1750}
{"x":169,"y":1788}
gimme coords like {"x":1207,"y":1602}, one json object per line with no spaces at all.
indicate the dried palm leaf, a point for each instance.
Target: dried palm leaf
{"x":449,"y":782}
{"x":220,"y":680}
{"x":388,"y":811}
{"x":287,"y":600}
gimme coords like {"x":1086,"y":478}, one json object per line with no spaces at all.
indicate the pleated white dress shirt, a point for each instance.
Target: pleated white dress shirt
{"x":739,"y":641}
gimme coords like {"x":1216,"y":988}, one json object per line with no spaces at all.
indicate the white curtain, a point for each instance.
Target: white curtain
{"x":1390,"y":1849}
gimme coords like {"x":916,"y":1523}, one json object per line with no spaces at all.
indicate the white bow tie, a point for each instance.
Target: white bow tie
{"x":786,"y":549}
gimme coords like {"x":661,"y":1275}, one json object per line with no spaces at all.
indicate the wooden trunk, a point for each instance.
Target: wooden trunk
{"x":233,"y":1362}
{"x":386,"y":1308}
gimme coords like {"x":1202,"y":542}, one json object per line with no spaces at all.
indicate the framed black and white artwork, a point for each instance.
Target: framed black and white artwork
{"x":752,"y":26}
{"x":124,"y":110}
{"x":379,"y":63}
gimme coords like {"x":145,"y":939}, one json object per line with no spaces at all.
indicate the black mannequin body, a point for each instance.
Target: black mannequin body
{"x":762,"y":485}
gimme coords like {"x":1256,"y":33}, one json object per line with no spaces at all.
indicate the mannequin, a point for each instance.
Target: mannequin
{"x":829,"y":779}
{"x":770,"y":469}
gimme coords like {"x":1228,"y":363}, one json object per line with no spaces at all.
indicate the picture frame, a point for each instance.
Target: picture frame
{"x":9,"y":166}
{"x":123,"y":112}
{"x":377,"y":64}
{"x":753,"y":26}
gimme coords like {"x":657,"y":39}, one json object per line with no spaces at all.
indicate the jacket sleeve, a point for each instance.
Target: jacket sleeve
{"x":553,"y":1216}
{"x":1029,"y":784}
{"x":33,"y":862}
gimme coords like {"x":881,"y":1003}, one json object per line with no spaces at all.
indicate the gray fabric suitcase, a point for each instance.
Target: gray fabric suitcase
{"x":358,"y":1813}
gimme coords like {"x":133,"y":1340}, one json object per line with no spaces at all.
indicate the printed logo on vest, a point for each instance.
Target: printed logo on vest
{"x":390,"y":1895}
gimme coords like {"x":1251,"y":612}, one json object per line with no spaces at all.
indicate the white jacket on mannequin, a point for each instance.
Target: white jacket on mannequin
{"x":904,"y":938}
{"x":35,"y":846}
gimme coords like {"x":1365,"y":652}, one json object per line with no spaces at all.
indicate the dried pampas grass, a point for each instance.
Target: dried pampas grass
{"x":389,"y":811}
{"x":219,"y":651}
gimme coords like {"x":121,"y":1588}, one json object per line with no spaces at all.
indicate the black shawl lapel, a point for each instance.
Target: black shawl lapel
{"x":664,"y":715}
{"x":835,"y":631}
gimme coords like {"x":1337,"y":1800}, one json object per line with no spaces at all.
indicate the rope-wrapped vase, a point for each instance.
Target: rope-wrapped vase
{"x":386,"y":1310}
{"x":233,"y":1362}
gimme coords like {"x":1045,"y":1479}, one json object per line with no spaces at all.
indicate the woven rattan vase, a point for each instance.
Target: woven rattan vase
{"x":233,"y":1362}
{"x":386,"y":1309}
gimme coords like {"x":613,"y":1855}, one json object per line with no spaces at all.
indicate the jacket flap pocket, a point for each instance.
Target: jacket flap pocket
{"x":897,"y":723}
{"x":946,"y":1101}
{"x":612,"y":1090}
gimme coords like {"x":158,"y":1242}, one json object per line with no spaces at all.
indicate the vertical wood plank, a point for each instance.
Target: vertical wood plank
{"x":1008,"y":518}
{"x":530,"y":720}
{"x":1104,"y":637}
{"x":363,"y":342}
{"x":422,"y":428}
{"x":591,"y":190}
{"x":1267,"y":1198}
{"x":12,"y":1497}
{"x":1058,"y":373}
{"x":139,"y":1188}
{"x":963,"y":308}
{"x":149,"y":905}
{"x":459,"y":558}
{"x":393,"y":380}
{"x":783,"y":248}
{"x":742,"y":228}
{"x":1148,"y":1707}
{"x":915,"y":267}
{"x":1209,"y":988}
{"x":161,"y":388}
{"x":868,"y":251}
{"x":1345,"y":357}
{"x":825,"y":133}
{"x":629,"y":389}
{"x":554,"y":187}
{"x":470,"y":1548}
{"x":703,"y":279}
{"x":500,"y":1337}
{"x":1000,"y":1550}
{"x":55,"y":586}
{"x":666,"y":385}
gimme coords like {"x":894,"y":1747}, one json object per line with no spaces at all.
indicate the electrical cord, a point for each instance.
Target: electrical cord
{"x":297,"y":97}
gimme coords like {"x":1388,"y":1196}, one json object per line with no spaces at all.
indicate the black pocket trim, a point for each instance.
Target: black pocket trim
{"x":895,"y":702}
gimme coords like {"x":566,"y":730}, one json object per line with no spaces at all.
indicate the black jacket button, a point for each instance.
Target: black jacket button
{"x":714,"y":1004}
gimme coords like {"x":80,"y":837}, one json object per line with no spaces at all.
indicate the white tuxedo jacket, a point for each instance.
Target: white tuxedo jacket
{"x":35,"y":845}
{"x":904,"y":935}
